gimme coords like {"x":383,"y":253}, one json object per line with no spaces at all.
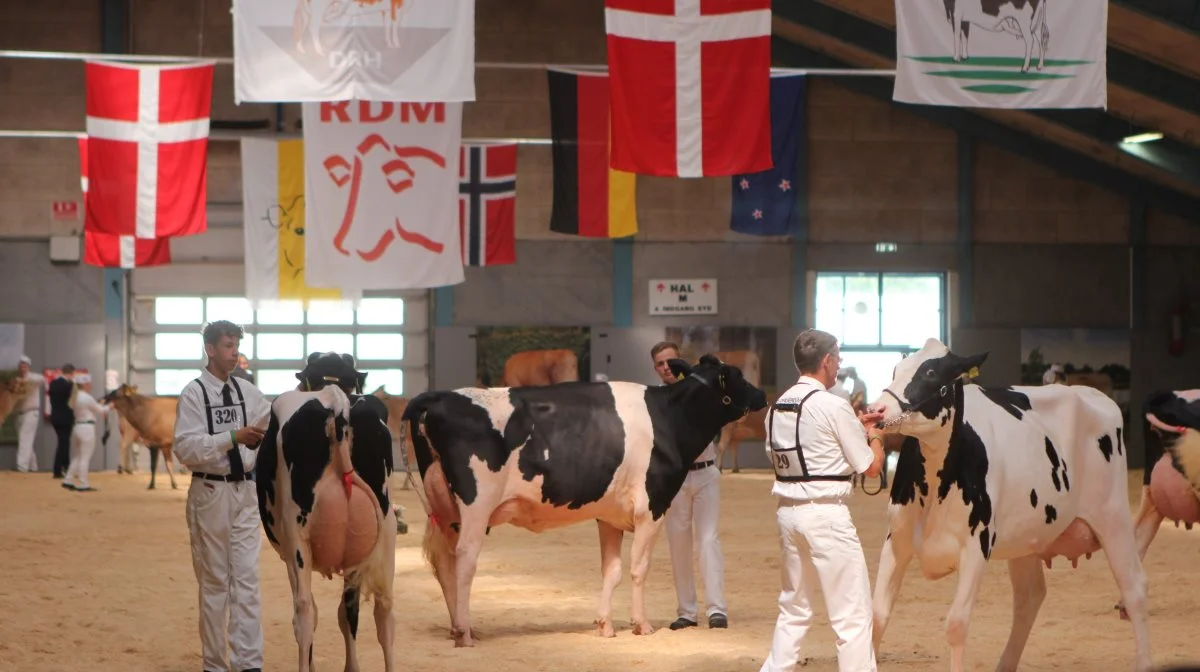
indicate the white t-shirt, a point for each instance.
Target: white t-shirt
{"x":32,"y":402}
{"x":834,"y":441}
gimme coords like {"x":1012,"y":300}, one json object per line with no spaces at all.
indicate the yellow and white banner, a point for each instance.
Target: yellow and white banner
{"x":273,"y":223}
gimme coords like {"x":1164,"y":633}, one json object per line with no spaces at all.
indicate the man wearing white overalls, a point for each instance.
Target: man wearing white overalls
{"x":693,"y":516}
{"x":218,"y":427}
{"x":816,"y":444}
{"x":28,"y":417}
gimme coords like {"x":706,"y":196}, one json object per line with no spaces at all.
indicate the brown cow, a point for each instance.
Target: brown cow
{"x":752,"y":425}
{"x":395,"y":406}
{"x":129,"y":436}
{"x":540,"y":367}
{"x":12,"y":391}
{"x":154,"y":419}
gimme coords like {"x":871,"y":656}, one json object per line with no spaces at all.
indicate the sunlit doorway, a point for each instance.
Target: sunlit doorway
{"x":879,"y":318}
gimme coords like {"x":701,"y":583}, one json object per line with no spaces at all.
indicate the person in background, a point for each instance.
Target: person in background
{"x":27,"y":415}
{"x":1054,"y":374}
{"x":815,"y":445}
{"x":83,"y":436}
{"x":242,"y":370}
{"x":218,"y":426}
{"x":692,"y":516}
{"x":62,"y":417}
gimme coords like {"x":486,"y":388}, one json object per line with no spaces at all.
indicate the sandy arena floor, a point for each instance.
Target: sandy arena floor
{"x":103,"y":582}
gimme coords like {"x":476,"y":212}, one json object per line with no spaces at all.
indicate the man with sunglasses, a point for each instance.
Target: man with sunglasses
{"x":816,"y":444}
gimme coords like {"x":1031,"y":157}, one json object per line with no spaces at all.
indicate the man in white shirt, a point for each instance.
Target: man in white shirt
{"x":693,"y":516}
{"x":83,"y":434}
{"x":815,"y":444}
{"x":27,"y":415}
{"x":218,"y":426}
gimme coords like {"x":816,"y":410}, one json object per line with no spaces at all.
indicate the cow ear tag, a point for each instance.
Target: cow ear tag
{"x":973,"y":373}
{"x":679,"y":376}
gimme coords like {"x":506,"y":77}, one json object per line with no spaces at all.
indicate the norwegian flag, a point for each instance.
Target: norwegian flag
{"x":109,"y":251}
{"x":147,"y":129}
{"x":487,"y":204}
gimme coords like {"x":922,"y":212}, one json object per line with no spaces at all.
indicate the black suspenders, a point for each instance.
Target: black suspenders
{"x":796,"y":447}
{"x":208,"y":403}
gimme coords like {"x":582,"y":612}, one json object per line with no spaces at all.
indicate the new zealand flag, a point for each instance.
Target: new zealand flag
{"x":764,"y":203}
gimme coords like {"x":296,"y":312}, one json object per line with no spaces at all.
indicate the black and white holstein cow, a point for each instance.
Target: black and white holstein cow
{"x":550,"y":456}
{"x":322,"y":476}
{"x":1021,"y":474}
{"x":1025,"y":19}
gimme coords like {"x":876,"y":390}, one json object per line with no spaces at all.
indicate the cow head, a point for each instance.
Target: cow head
{"x":738,"y":396}
{"x":921,"y":394}
{"x":330,"y":367}
{"x":125,"y":390}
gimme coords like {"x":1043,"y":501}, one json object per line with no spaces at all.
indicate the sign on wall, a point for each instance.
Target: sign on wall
{"x":64,"y":211}
{"x":670,"y":296}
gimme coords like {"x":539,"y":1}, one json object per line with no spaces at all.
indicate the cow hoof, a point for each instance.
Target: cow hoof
{"x":604,"y":629}
{"x":643,"y":628}
{"x":1121,"y":611}
{"x":150,"y":487}
{"x":736,"y":470}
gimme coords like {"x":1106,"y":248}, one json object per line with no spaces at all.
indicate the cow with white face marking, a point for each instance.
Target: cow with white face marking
{"x":1025,"y":19}
{"x":322,"y":476}
{"x":1021,"y":474}
{"x":546,"y":457}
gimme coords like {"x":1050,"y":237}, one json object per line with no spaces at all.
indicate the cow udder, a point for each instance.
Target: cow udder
{"x":342,"y":530}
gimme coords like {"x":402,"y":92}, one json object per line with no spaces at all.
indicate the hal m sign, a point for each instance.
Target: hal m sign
{"x":689,"y":296}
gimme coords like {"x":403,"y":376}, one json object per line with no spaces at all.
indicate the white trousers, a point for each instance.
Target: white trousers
{"x":224,"y":526}
{"x":693,"y":518}
{"x":27,"y":424}
{"x":83,"y":444}
{"x":820,"y":545}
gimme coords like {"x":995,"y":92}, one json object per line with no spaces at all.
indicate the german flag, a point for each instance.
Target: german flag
{"x":590,"y":199}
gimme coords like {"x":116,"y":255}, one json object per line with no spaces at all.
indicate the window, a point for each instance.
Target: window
{"x":330,"y":312}
{"x":281,"y":312}
{"x":381,"y":311}
{"x":182,"y":347}
{"x":880,"y":310}
{"x":276,"y":381}
{"x":178,"y":310}
{"x":338,"y":343}
{"x":392,"y":381}
{"x":246,"y":347}
{"x":380,"y":346}
{"x":234,"y":309}
{"x":170,"y":382}
{"x":280,"y":346}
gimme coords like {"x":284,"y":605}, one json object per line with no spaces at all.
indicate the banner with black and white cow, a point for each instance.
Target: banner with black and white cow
{"x":1002,"y":53}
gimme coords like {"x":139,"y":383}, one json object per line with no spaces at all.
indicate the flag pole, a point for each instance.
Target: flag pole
{"x":232,"y":136}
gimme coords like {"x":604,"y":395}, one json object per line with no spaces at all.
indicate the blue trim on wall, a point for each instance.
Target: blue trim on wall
{"x":622,"y":282}
{"x":443,"y":307}
{"x":800,"y":235}
{"x":114,"y":293}
{"x":1137,"y":262}
{"x":966,"y":230}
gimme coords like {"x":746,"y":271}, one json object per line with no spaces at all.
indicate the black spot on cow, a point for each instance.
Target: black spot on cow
{"x":371,"y":453}
{"x":1051,"y":514}
{"x":966,"y":466}
{"x":299,"y":560}
{"x":992,"y":7}
{"x":459,"y":429}
{"x":1014,"y":403}
{"x":265,"y":467}
{"x":350,"y":602}
{"x":985,"y":543}
{"x":1106,"y":447}
{"x":910,"y":474}
{"x":1065,"y":481}
{"x":1154,"y":449}
{"x":1033,"y":498}
{"x":1120,"y":443}
{"x":306,"y":450}
{"x":572,"y":437}
{"x":1052,"y":453}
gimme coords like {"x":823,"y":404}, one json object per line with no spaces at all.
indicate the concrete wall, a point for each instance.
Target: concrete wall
{"x":1049,"y":250}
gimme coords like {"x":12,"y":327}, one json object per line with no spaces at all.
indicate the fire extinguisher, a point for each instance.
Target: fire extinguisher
{"x":1175,"y":346}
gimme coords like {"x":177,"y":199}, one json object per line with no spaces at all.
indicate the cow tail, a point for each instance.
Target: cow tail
{"x":371,"y":578}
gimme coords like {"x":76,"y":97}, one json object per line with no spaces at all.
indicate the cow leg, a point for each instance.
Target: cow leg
{"x":153,"y":465}
{"x":169,"y":464}
{"x":610,"y":571}
{"x":385,"y":627}
{"x":470,"y":541}
{"x":304,"y":618}
{"x":1117,"y":539}
{"x":960,"y":38}
{"x":300,"y":20}
{"x":1146,"y":525}
{"x":1029,"y":589}
{"x":348,"y":623}
{"x":893,"y":561}
{"x":644,"y":535}
{"x":735,"y":446}
{"x":971,"y":569}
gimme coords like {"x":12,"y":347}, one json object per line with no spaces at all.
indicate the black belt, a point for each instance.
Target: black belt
{"x":85,"y":422}
{"x":222,"y":477}
{"x":702,"y":465}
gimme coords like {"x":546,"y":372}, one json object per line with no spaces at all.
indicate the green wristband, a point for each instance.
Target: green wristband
{"x":233,"y":437}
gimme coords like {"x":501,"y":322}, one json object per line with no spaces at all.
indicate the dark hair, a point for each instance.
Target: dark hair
{"x":68,"y":368}
{"x":663,"y":345}
{"x":215,"y":331}
{"x":810,"y":348}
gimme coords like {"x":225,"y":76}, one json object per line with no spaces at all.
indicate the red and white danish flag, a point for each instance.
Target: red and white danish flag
{"x":147,"y":129}
{"x":109,"y":251}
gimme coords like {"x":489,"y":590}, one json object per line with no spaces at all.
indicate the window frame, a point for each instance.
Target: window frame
{"x":880,"y":276}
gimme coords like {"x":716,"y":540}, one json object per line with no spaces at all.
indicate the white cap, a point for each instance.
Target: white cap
{"x":26,"y":360}
{"x":82,"y":378}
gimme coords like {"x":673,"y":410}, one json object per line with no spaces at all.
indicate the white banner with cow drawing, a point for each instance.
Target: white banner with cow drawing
{"x":1002,"y":53}
{"x":315,"y":50}
{"x":381,"y":195}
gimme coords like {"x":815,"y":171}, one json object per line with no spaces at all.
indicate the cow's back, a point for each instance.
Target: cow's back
{"x":540,"y":367}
